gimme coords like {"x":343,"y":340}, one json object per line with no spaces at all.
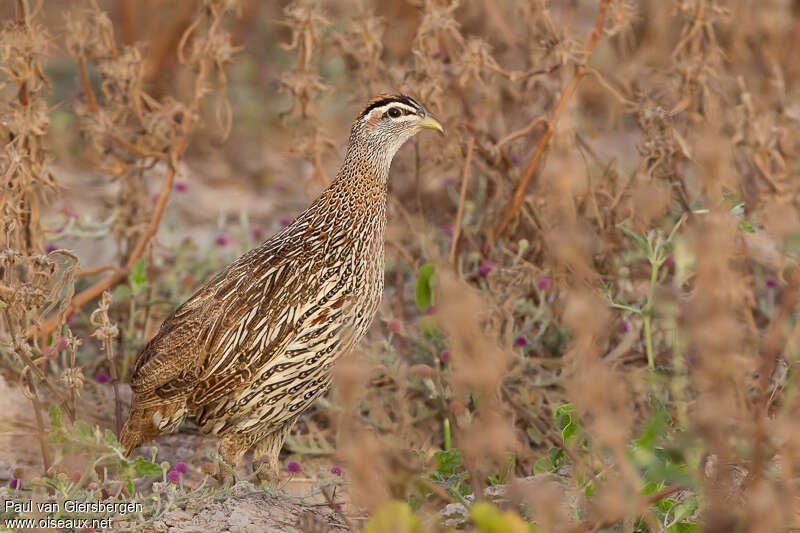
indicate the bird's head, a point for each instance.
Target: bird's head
{"x":387,"y":122}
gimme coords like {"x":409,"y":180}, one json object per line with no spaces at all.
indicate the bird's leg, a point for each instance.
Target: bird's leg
{"x":266,"y":452}
{"x":231,"y":448}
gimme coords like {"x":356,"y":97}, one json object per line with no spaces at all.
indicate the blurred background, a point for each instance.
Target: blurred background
{"x":591,"y":281}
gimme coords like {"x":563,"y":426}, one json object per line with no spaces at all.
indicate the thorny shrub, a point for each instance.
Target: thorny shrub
{"x":591,"y":282}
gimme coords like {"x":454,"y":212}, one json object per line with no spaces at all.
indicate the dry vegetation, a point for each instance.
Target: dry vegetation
{"x":591,"y":282}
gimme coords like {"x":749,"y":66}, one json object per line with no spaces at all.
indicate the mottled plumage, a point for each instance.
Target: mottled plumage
{"x":253,"y":347}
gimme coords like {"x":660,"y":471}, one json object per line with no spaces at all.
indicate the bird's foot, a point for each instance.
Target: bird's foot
{"x":266,"y":473}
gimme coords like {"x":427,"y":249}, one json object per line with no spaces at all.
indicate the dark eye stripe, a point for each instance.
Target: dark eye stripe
{"x":403,"y":99}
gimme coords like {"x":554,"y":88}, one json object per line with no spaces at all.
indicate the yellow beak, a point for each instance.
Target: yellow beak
{"x":432,"y":123}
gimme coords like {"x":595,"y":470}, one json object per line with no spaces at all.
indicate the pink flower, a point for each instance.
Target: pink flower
{"x":394,"y":325}
{"x":669,"y":261}
{"x":174,"y":476}
{"x":336,"y":470}
{"x":624,"y":327}
{"x":102,"y":377}
{"x":181,"y":467}
{"x":62,"y":344}
{"x":771,"y":282}
{"x":520,"y":341}
{"x":486,"y":267}
{"x":285,"y":222}
{"x":221,"y":240}
{"x":543,"y":283}
{"x":50,"y":247}
{"x":293,"y":467}
{"x":181,"y":186}
{"x":444,"y":357}
{"x":68,"y":212}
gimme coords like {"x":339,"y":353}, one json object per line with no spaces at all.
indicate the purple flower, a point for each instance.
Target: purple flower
{"x":444,"y":357}
{"x":181,"y":186}
{"x":486,"y":267}
{"x":771,"y":282}
{"x":543,"y":283}
{"x":520,"y":341}
{"x":669,"y":261}
{"x":50,"y":247}
{"x":70,"y":319}
{"x":174,"y":476}
{"x":293,"y":467}
{"x":181,"y":467}
{"x":102,"y":377}
{"x":514,"y":160}
{"x":69,"y":212}
{"x":338,"y":506}
{"x":58,"y":229}
{"x":258,"y":235}
{"x":285,"y":222}
{"x":221,"y":240}
{"x":624,"y":327}
{"x":336,"y":470}
{"x":394,"y":325}
{"x":15,"y":484}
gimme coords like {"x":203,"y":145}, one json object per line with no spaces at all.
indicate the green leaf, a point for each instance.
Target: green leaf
{"x":55,"y":416}
{"x":83,"y":431}
{"x":567,"y":421}
{"x":746,"y":226}
{"x":448,"y":461}
{"x":640,"y":240}
{"x":138,"y":277}
{"x":684,"y":527}
{"x":654,"y":427}
{"x":551,"y":462}
{"x":535,"y":434}
{"x":685,"y":509}
{"x":423,"y":293}
{"x":145,"y":468}
{"x":110,"y":438}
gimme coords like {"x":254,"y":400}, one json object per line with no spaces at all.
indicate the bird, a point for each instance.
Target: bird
{"x":253,"y":347}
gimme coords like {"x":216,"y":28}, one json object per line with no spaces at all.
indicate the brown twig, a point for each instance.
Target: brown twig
{"x":87,"y":88}
{"x":461,"y":198}
{"x":521,"y":132}
{"x":175,"y":155}
{"x":512,"y":208}
{"x":37,"y":411}
{"x":134,"y":149}
{"x":97,"y":270}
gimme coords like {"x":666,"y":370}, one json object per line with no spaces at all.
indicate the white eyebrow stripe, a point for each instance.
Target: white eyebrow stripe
{"x":382,"y":109}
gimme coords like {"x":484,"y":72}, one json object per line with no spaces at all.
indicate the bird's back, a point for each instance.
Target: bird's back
{"x":253,"y":346}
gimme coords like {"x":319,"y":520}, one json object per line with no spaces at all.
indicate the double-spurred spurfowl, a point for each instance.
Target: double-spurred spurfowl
{"x":254,"y":346}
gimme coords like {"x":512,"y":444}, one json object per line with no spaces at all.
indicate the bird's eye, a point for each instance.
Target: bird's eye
{"x":394,"y":112}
